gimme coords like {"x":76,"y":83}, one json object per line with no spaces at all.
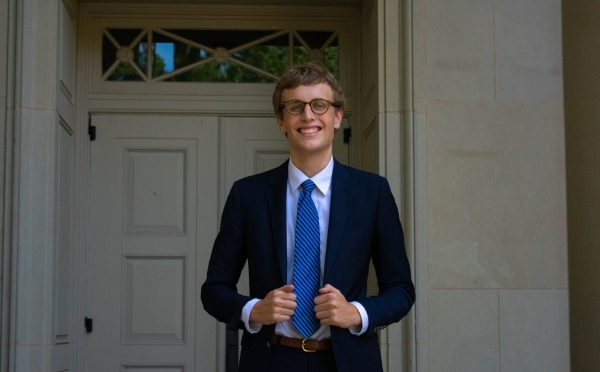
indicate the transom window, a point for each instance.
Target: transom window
{"x":198,"y":55}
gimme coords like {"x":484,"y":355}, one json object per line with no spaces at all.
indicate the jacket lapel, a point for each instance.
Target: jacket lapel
{"x":275,"y":195}
{"x":341,"y":194}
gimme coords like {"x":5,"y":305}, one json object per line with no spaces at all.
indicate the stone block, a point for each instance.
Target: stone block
{"x":460,"y":50}
{"x":496,"y":195}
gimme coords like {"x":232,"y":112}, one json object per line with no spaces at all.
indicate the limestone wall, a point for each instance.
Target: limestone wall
{"x":489,"y":101}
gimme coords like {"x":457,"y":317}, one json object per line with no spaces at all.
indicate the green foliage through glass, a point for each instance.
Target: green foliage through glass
{"x":182,"y":60}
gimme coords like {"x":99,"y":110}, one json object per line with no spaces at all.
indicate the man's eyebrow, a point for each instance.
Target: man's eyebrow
{"x":298,"y":99}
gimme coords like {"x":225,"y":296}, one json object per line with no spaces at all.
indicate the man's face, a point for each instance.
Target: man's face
{"x":310,"y":134}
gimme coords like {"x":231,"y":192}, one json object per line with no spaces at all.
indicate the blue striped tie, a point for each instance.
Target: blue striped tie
{"x":307,"y":262}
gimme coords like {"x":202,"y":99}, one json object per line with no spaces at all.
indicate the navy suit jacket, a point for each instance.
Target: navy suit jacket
{"x":364,"y":225}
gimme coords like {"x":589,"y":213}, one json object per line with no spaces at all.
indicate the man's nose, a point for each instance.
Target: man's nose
{"x":308,"y":113}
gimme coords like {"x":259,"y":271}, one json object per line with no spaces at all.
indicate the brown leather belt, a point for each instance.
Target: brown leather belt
{"x":308,"y":345}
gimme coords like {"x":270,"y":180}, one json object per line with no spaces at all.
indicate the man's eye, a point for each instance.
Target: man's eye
{"x":295,"y":106}
{"x":319,"y":105}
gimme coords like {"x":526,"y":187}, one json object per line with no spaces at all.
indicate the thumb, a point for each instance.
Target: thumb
{"x":328,"y":288}
{"x":289,"y":288}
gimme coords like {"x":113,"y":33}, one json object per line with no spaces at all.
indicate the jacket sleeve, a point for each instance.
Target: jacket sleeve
{"x":219,"y":294}
{"x":396,"y":290}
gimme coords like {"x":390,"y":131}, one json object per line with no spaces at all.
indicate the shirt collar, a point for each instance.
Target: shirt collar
{"x":322,"y":179}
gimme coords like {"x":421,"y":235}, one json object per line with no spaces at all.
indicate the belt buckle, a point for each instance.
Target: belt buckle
{"x":304,"y":348}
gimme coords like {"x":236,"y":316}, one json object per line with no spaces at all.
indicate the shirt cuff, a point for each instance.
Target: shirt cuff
{"x":252,"y":327}
{"x":358,"y":330}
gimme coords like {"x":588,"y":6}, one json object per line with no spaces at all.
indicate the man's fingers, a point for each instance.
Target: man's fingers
{"x":285,"y":292}
{"x":273,"y":308}
{"x":321,"y":299}
{"x":328,"y":288}
{"x":326,"y":303}
{"x":281,"y":294}
{"x":328,"y":293}
{"x":337,"y":313}
{"x":283,"y":303}
{"x":289,"y":288}
{"x":285,"y":311}
{"x":284,"y":296}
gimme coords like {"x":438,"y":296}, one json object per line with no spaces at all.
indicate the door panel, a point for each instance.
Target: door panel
{"x":153,"y":219}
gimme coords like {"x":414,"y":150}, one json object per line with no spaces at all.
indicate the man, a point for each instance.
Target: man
{"x":308,"y":230}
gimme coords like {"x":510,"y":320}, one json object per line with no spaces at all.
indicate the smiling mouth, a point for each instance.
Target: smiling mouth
{"x":309,"y":130}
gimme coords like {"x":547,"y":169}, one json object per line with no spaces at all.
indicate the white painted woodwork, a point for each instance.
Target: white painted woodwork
{"x":152,"y":223}
{"x":367,"y":133}
{"x":312,"y":3}
{"x":63,"y":291}
{"x":67,"y":51}
{"x":214,"y":98}
{"x":66,"y":253}
{"x":64,"y":269}
{"x":250,"y":146}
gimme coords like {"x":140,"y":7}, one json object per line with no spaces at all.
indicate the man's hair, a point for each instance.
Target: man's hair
{"x":307,"y":74}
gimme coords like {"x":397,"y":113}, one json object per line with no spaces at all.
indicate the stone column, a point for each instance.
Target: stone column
{"x":33,"y":237}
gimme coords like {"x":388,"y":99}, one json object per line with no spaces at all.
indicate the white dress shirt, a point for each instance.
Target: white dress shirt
{"x":322,"y":199}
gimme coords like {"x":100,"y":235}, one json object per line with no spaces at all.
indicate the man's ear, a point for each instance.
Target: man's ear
{"x":281,"y":125}
{"x":339,"y":115}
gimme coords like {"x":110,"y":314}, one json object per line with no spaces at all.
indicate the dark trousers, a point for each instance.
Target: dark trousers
{"x":289,"y":359}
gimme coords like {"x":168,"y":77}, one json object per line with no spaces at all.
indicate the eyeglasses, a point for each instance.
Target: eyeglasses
{"x":318,"y":106}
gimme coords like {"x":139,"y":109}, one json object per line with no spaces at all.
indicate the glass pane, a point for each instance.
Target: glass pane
{"x":272,"y":56}
{"x":124,"y":36}
{"x":332,"y":56}
{"x":300,"y":53}
{"x":329,"y":56}
{"x":170,"y":55}
{"x":109,"y":54}
{"x":125,"y":72}
{"x":227,"y":72}
{"x":140,"y":54}
{"x":315,"y":39}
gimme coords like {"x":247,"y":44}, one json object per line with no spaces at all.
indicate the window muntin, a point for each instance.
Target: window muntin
{"x":196,"y":55}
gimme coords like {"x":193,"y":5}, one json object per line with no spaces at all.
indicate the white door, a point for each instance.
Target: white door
{"x":154,"y":210}
{"x":153,"y":220}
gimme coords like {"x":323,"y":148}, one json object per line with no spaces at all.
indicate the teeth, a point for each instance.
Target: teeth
{"x":309,"y":130}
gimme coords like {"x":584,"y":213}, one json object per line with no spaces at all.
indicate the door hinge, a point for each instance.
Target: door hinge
{"x":91,"y":129}
{"x":347,"y":134}
{"x":89,"y":325}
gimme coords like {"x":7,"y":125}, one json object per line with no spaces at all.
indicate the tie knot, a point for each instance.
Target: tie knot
{"x":308,"y":186}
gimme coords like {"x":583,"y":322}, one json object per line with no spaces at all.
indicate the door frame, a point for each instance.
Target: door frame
{"x":93,"y":101}
{"x":400,"y":145}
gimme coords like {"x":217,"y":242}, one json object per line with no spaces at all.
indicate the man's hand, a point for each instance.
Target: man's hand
{"x":277,"y":306}
{"x":333,"y":309}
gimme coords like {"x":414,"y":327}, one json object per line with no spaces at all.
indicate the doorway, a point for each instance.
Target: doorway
{"x":165,"y":156}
